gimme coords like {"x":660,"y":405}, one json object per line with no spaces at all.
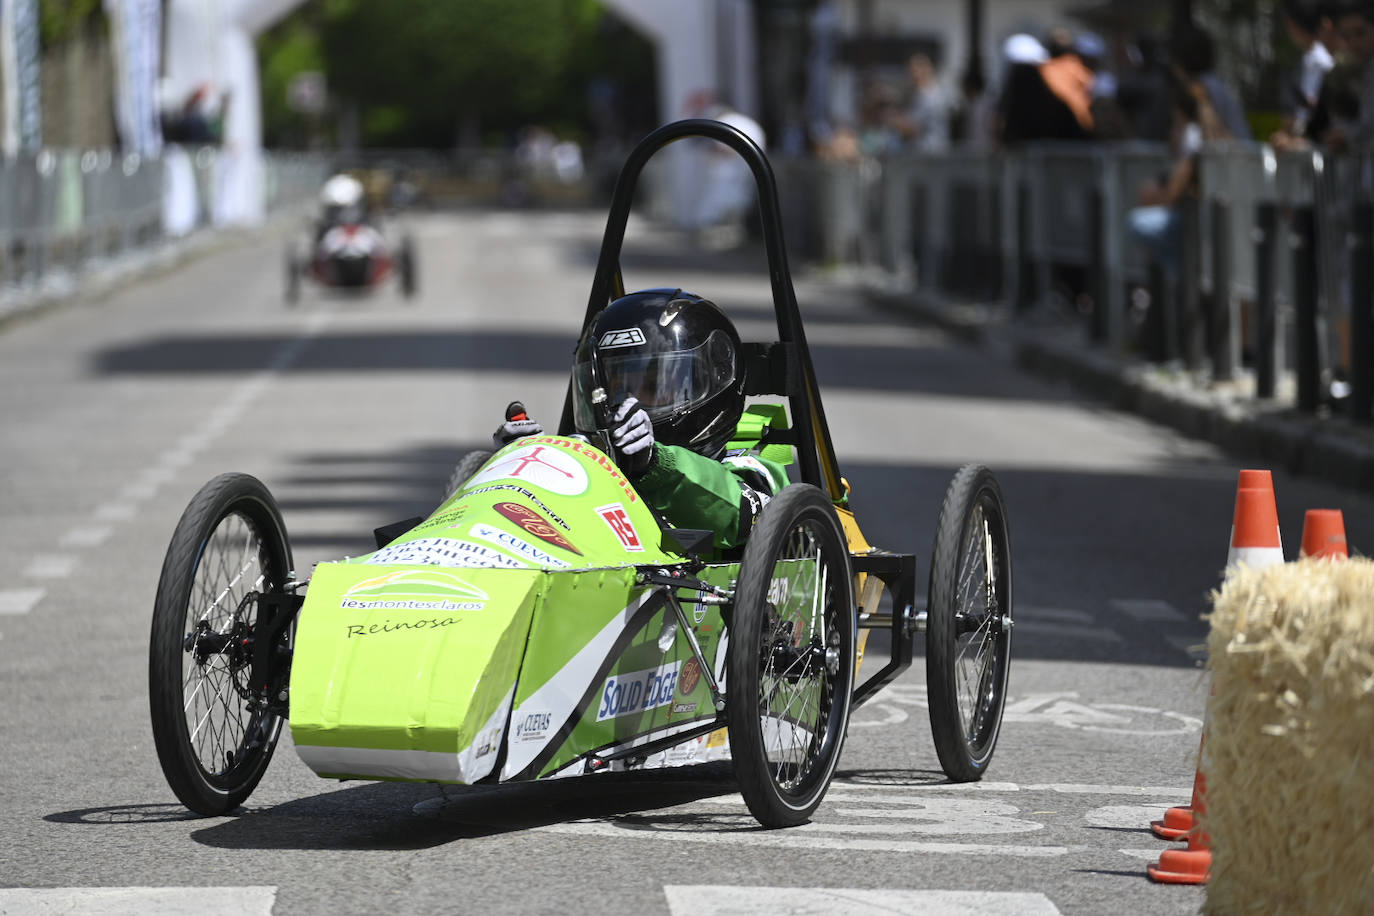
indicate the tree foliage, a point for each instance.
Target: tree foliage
{"x":417,"y":68}
{"x":60,"y":20}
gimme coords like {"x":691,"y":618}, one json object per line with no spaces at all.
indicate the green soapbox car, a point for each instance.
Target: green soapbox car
{"x":544,"y":622}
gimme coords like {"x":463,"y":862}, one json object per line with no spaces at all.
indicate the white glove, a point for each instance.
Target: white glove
{"x":633,"y":437}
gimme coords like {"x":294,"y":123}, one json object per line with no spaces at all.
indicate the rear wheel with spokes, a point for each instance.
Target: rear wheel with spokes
{"x":790,"y":660}
{"x":213,"y":729}
{"x":968,"y":623}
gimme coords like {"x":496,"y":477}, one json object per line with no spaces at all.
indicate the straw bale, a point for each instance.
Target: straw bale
{"x":1289,"y":745}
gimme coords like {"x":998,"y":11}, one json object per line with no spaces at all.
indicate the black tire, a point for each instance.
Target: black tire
{"x":968,"y":623}
{"x":781,"y":672}
{"x":466,"y":467}
{"x":407,"y":268}
{"x":214,"y":737}
{"x":293,"y":276}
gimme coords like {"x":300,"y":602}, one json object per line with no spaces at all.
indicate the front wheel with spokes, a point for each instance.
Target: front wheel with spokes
{"x":790,"y":658}
{"x":968,"y":623}
{"x":213,"y":729}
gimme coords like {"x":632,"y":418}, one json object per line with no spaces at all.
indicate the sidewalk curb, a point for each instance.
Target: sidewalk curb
{"x":1330,"y":448}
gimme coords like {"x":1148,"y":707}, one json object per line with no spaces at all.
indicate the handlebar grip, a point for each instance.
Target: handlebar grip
{"x":516,"y":411}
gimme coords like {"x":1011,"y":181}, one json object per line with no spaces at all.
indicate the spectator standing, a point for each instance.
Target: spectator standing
{"x":1044,"y":97}
{"x":1194,"y":57}
{"x":1303,"y":21}
{"x":1156,"y":222}
{"x":1071,"y":82}
{"x":1145,"y":91}
{"x":1024,"y":98}
{"x":728,"y":189}
{"x":1355,"y":21}
{"x":877,"y":115}
{"x":977,"y":115}
{"x":925,"y":125}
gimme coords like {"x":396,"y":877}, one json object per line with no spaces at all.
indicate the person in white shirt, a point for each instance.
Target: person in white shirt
{"x":1304,"y":21}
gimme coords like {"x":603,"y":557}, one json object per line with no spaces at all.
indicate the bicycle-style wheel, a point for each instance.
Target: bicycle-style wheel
{"x":213,"y":731}
{"x":968,"y":623}
{"x":790,"y":659}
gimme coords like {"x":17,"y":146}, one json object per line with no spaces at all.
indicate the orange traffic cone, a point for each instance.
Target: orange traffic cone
{"x":1323,"y":534}
{"x":1191,"y":865}
{"x":1255,"y":538}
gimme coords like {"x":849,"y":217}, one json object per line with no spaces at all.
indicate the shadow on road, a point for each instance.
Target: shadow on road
{"x":123,"y":814}
{"x":932,"y":369}
{"x":400,"y":816}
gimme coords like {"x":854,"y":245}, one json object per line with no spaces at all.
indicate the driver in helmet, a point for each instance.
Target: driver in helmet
{"x":342,"y":200}
{"x":669,"y":363}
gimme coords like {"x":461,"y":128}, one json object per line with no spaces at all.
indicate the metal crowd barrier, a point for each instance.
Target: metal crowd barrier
{"x":62,"y":210}
{"x":1274,"y":275}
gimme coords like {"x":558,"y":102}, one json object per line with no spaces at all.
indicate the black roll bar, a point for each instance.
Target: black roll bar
{"x":815,"y":455}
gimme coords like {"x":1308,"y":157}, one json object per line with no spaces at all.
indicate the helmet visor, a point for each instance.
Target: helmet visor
{"x":663,"y":383}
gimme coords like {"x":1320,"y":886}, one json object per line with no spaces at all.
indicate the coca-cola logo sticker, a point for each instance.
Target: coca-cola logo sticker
{"x":532,"y":522}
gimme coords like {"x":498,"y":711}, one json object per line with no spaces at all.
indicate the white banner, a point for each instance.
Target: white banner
{"x":21,"y":76}
{"x":136,"y":43}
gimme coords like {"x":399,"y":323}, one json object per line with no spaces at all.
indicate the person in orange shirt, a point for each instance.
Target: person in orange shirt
{"x":1070,"y":80}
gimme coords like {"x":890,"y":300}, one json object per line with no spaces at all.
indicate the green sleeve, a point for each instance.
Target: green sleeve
{"x":693,"y":491}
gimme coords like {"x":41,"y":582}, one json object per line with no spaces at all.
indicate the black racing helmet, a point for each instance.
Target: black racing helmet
{"x":674,"y":351}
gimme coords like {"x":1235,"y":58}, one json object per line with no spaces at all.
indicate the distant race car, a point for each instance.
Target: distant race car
{"x":543,"y":622}
{"x":347,"y":250}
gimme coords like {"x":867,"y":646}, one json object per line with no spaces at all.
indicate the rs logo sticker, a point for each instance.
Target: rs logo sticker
{"x":619,"y":522}
{"x":629,"y":337}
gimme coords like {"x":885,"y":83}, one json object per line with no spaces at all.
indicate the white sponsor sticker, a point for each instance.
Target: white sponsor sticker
{"x":637,"y":691}
{"x":541,"y":465}
{"x":511,"y":542}
{"x":444,"y":552}
{"x":629,"y":337}
{"x":532,"y":726}
{"x":414,"y":583}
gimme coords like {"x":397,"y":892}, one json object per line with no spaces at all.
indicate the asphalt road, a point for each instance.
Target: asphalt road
{"x":354,"y":412}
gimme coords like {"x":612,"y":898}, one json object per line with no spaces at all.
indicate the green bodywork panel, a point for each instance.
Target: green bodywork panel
{"x":507,"y":626}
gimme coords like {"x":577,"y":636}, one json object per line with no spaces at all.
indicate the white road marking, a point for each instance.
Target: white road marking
{"x":729,"y":900}
{"x":20,"y":600}
{"x":51,"y":566}
{"x":807,"y":836}
{"x":1150,"y":610}
{"x":92,"y":536}
{"x":1125,"y":816}
{"x":840,"y":786}
{"x":1077,"y":789}
{"x":1060,"y":709}
{"x":942,"y":816}
{"x":139,"y":901}
{"x":1063,"y":710}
